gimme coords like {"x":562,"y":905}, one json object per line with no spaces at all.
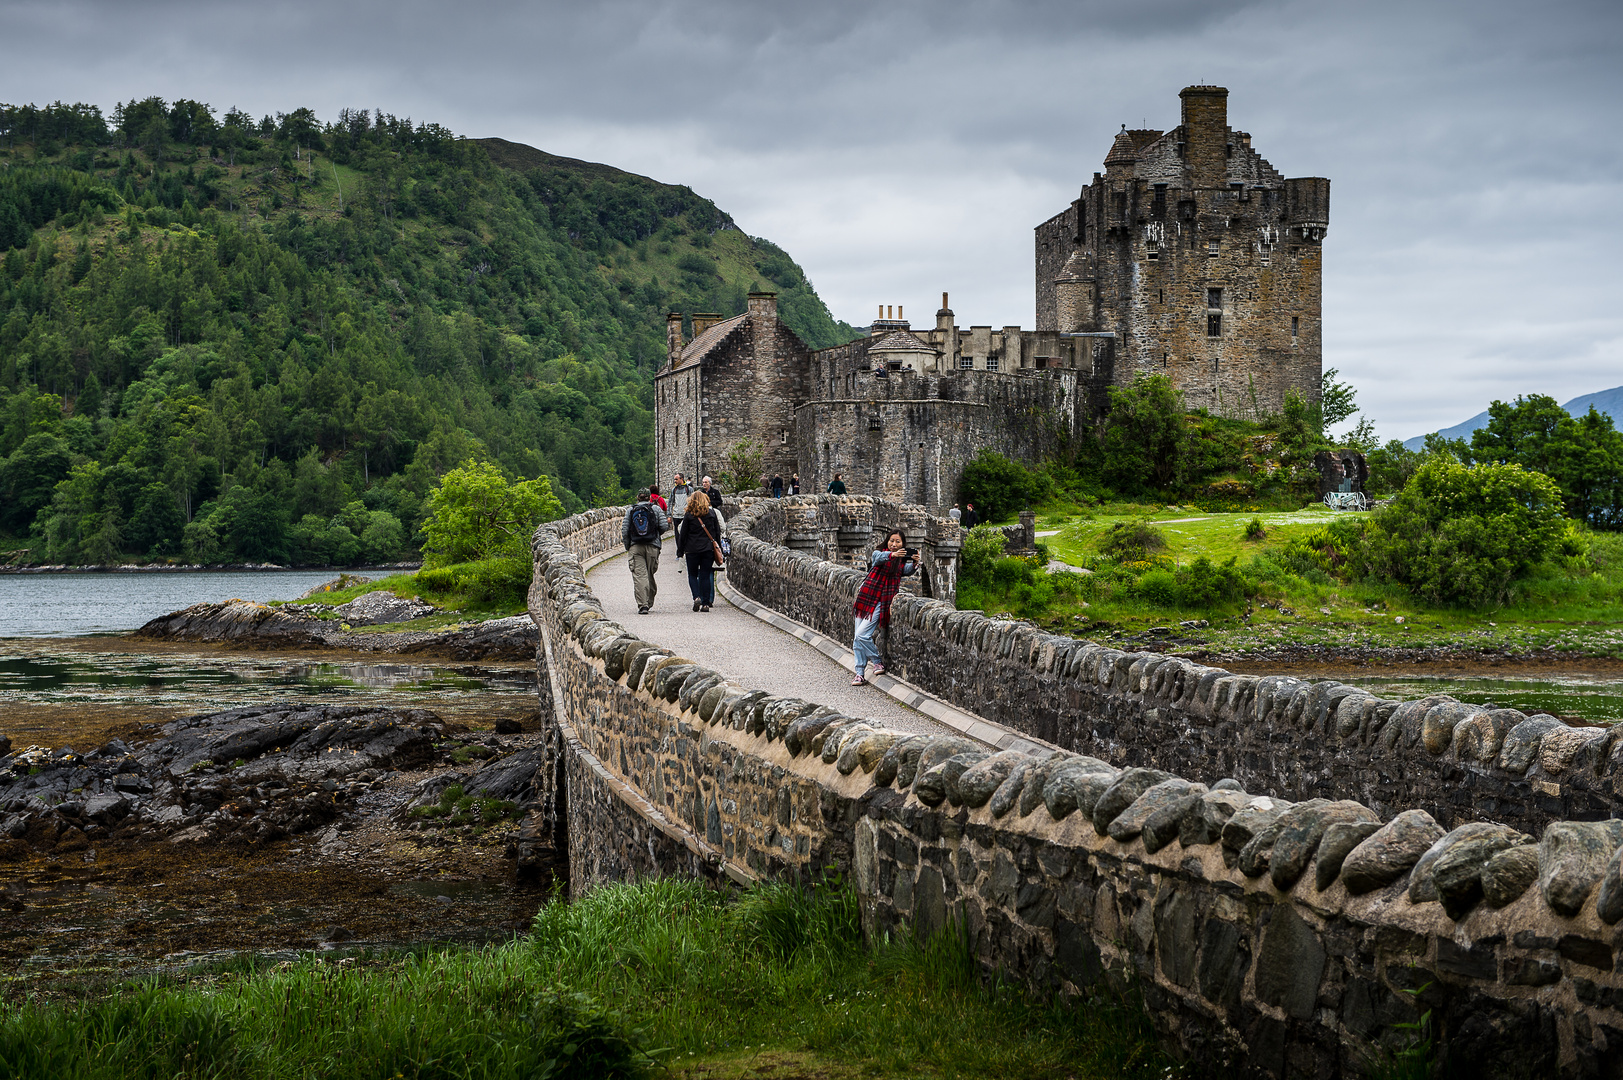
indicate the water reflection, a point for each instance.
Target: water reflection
{"x":1595,"y":697}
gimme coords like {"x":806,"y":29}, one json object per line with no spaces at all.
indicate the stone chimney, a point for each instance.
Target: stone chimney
{"x":673,"y":337}
{"x":947,"y":336}
{"x":703,"y":321}
{"x":1205,"y":136}
{"x":763,"y":305}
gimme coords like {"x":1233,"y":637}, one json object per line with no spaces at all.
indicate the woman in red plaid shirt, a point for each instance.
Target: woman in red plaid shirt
{"x":887,"y":567}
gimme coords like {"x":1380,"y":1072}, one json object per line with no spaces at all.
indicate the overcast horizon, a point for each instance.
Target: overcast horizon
{"x":903,"y":151}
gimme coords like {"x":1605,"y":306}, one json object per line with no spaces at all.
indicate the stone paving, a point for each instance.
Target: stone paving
{"x":749,"y":651}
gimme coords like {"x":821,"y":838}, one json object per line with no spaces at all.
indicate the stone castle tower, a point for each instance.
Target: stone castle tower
{"x":1190,"y":256}
{"x":1195,"y":259}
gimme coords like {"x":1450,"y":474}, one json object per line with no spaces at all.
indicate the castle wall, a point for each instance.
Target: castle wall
{"x":1271,"y":936}
{"x":907,"y":437}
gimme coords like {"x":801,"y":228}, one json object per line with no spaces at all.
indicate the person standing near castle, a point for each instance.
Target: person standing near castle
{"x":644,"y":525}
{"x":697,"y":540}
{"x":887,"y":567}
{"x":655,"y":497}
{"x":680,"y":490}
{"x":955,"y":514}
{"x":794,"y":484}
{"x":836,"y":486}
{"x":777,"y":486}
{"x":970,"y":518}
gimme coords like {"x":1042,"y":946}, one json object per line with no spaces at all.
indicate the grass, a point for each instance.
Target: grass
{"x":467,"y":592}
{"x":1568,"y":608}
{"x":663,"y":975}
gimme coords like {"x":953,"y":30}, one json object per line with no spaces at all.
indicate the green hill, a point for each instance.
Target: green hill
{"x":223,"y":338}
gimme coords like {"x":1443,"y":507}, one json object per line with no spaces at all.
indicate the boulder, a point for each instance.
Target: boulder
{"x":1451,"y":871}
{"x":1572,"y":856}
{"x":1338,"y":842}
{"x":1507,"y":875}
{"x":1130,"y":822}
{"x":1123,"y":793}
{"x":976,"y":786}
{"x":1300,"y":830}
{"x":1390,"y":851}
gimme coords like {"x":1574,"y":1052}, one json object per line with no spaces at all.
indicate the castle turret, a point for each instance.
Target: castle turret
{"x":1074,"y":296}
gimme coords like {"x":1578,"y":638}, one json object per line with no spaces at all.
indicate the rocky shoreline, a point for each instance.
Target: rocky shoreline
{"x":196,"y":568}
{"x":300,"y":626}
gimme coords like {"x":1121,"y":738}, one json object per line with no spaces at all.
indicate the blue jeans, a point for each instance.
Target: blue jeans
{"x":866,"y":644}
{"x":702,"y":583}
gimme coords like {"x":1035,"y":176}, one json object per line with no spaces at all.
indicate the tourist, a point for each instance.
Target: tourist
{"x":641,"y":532}
{"x":699,"y":541}
{"x":794,"y":484}
{"x":777,"y":486}
{"x":888,"y":566}
{"x":836,"y":486}
{"x":711,"y":492}
{"x":680,"y":490}
{"x":955,"y":514}
{"x":970,"y":518}
{"x":655,"y":497}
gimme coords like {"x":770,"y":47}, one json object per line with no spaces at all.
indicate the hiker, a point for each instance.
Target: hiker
{"x":777,"y":486}
{"x":970,"y":518}
{"x":888,"y":566}
{"x":680,"y":490}
{"x":836,"y":486}
{"x":644,"y":525}
{"x":699,"y":542}
{"x":655,"y":497}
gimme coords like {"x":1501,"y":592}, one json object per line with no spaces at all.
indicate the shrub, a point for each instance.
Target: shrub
{"x":1204,"y":583}
{"x":1159,"y":587}
{"x":1132,"y":541}
{"x":999,"y":487}
{"x":1254,"y":529}
{"x":983,"y":546}
{"x":476,"y":513}
{"x":1459,"y":534}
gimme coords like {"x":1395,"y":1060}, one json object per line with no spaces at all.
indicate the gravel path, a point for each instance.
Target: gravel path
{"x":749,"y":651}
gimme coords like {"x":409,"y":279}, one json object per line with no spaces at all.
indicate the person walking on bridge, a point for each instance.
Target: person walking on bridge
{"x":887,"y":567}
{"x":698,"y":541}
{"x":641,"y":532}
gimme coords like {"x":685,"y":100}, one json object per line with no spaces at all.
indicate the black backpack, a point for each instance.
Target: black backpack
{"x":643,"y":530}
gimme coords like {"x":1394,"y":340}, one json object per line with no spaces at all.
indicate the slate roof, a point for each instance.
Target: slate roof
{"x":901,"y":341}
{"x":696,"y":349}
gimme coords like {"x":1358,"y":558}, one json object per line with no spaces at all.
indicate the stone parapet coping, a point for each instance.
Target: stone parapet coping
{"x":965,"y":723}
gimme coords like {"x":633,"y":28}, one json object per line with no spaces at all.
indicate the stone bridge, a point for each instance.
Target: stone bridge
{"x":1287,"y":872}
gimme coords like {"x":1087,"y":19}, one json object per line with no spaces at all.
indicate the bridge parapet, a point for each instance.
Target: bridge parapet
{"x":1295,"y":936}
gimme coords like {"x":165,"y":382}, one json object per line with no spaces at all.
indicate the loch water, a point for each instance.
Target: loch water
{"x":73,"y":604}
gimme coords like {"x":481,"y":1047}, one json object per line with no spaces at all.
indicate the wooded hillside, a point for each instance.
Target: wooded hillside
{"x":224,"y":339}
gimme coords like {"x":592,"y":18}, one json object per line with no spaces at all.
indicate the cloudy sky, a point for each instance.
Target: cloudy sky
{"x":901,"y":149}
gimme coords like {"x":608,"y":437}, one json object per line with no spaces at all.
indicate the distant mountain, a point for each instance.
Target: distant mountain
{"x":1609,"y":402}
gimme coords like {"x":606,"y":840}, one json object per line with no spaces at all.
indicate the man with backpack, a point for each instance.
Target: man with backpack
{"x":644,"y":525}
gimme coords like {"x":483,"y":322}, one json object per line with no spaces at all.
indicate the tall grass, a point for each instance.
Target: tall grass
{"x":661,"y":973}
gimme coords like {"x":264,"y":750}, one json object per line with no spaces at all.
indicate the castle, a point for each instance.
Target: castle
{"x":1190,"y":256}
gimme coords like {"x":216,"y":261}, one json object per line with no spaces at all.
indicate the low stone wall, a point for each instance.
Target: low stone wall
{"x":1277,"y":735}
{"x":1295,"y":938}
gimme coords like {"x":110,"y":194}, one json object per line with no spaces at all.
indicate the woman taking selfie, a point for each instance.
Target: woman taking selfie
{"x":887,"y":567}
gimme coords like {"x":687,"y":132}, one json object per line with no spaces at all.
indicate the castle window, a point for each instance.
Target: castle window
{"x":966,"y":363}
{"x":1214,"y":365}
{"x":991,"y":363}
{"x":1211,"y":247}
{"x":690,"y":433}
{"x":784,"y":440}
{"x":1160,"y":296}
{"x":1296,"y":326}
{"x":1160,"y":204}
{"x":1267,"y":251}
{"x":1214,"y":312}
{"x":1152,"y":250}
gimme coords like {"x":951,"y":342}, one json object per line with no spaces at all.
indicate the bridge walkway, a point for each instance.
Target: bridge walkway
{"x":764,"y":650}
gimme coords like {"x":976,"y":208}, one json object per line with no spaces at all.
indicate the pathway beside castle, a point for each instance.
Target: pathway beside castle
{"x":751,"y":653}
